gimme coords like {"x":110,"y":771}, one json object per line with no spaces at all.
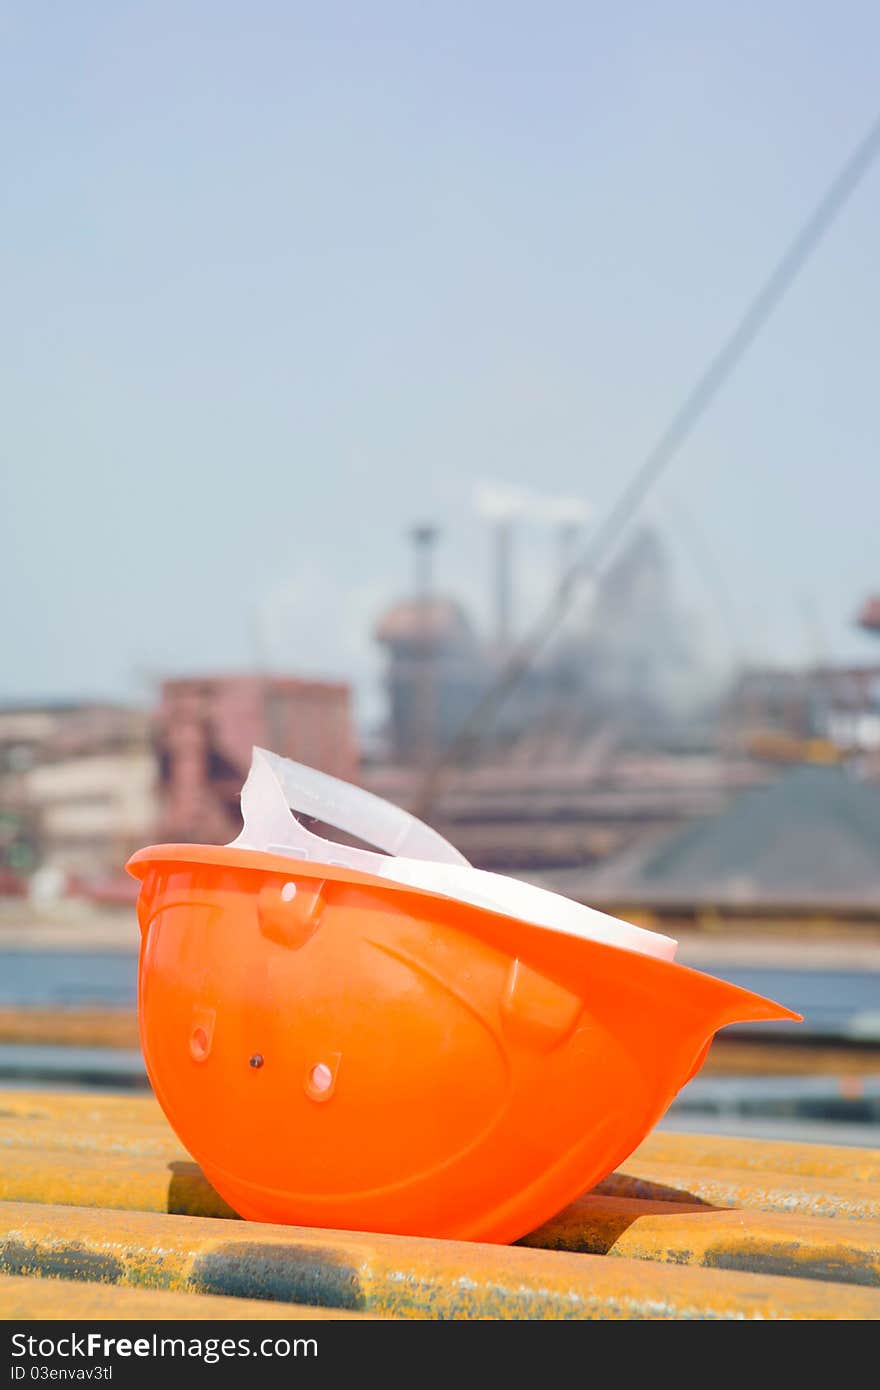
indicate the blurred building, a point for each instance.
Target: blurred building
{"x":206,"y":727}
{"x":77,"y":786}
{"x":868,"y":618}
{"x":551,"y":806}
{"x":94,"y":810}
{"x":789,"y":714}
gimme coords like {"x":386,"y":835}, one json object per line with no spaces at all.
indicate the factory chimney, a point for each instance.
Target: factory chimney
{"x":567,"y":515}
{"x":503,"y":583}
{"x":424,"y":670}
{"x":501,"y":506}
{"x":424,"y":540}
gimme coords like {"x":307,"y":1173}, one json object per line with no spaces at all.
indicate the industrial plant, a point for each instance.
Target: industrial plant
{"x":623,"y":659}
{"x":614,"y":736}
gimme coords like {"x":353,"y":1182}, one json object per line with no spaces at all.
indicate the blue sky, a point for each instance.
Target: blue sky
{"x":279,"y":280}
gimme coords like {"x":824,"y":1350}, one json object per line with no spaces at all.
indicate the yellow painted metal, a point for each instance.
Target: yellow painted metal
{"x":150,"y":1173}
{"x":763,"y":1155}
{"x":135,"y":1124}
{"x":721,"y":1206}
{"x":121,"y":1153}
{"x":397,"y":1276}
{"x":751,"y":1188}
{"x":118,"y":1180}
{"x":63,"y":1300}
{"x":686,"y":1234}
{"x":744,"y":1055}
{"x":70,"y":1027}
{"x":761,"y":1242}
{"x":155,"y":1140}
{"x":88,"y":1107}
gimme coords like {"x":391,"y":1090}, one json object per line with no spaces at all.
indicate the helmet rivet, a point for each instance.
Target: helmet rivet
{"x":257,"y":1059}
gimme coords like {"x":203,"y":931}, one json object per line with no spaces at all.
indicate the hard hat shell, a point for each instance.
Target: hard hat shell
{"x":339,"y":1050}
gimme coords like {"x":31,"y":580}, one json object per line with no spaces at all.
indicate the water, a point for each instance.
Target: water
{"x":43,"y":979}
{"x":844,"y":1004}
{"x":834,"y":1003}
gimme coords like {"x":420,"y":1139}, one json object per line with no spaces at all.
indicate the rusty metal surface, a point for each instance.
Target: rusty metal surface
{"x":763,"y":1155}
{"x":89,"y":1027}
{"x":846,"y":1252}
{"x":52,"y":1300}
{"x":89,"y":1136}
{"x":398,"y":1276}
{"x":123,"y":1181}
{"x":695,"y":1226}
{"x":71,"y":1121}
{"x":86,"y":1107}
{"x":147,"y":1170}
{"x":751,"y":1188}
{"x":770,"y":1242}
{"x":144,"y":1167}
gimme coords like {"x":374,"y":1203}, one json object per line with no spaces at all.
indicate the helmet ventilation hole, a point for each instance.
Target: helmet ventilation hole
{"x":320,"y":1077}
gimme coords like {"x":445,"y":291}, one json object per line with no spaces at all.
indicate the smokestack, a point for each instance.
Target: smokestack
{"x":568,"y":515}
{"x":501,"y":506}
{"x":503,"y":583}
{"x":424,"y":669}
{"x":424,"y":538}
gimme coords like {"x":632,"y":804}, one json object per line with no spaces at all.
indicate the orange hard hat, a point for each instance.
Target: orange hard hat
{"x":338,"y":1048}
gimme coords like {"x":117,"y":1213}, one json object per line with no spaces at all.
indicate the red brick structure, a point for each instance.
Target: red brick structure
{"x":207,"y":726}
